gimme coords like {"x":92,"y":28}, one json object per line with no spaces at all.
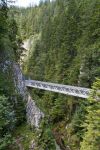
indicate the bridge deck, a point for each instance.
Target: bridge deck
{"x":65,"y":89}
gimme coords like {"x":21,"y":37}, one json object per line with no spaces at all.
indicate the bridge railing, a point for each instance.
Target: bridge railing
{"x":65,"y":89}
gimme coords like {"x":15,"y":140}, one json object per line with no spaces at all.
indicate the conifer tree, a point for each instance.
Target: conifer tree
{"x":91,"y":138}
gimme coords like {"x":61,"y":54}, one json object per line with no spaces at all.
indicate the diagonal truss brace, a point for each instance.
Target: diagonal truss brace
{"x":60,"y":88}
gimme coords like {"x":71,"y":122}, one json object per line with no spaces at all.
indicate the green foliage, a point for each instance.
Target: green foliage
{"x":59,"y":109}
{"x":24,"y":135}
{"x":10,"y":115}
{"x":7,"y":122}
{"x":88,"y":43}
{"x":46,"y":140}
{"x":67,"y":51}
{"x":91,"y":139}
{"x":10,"y":48}
{"x":19,"y":107}
{"x":12,"y":108}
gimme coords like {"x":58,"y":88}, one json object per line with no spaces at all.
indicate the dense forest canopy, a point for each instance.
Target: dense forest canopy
{"x":65,"y":48}
{"x":68,"y":36}
{"x":11,"y":113}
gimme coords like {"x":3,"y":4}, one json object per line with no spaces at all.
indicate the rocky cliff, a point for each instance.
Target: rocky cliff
{"x":33,"y":113}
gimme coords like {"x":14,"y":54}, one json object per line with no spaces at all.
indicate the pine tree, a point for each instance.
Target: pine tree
{"x":91,"y":138}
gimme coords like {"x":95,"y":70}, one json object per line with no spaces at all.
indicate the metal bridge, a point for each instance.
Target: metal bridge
{"x":60,"y":88}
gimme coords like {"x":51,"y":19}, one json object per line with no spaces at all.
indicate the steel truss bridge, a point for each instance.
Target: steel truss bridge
{"x":60,"y":88}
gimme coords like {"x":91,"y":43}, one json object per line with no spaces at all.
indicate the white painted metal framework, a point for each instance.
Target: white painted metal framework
{"x":65,"y":89}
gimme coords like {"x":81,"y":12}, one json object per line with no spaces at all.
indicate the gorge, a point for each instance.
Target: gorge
{"x":50,"y":76}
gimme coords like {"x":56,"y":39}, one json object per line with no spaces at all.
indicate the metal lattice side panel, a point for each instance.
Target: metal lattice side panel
{"x":65,"y":89}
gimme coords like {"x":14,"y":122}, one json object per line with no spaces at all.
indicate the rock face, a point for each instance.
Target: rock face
{"x":19,"y":80}
{"x":27,"y":44}
{"x":33,"y":113}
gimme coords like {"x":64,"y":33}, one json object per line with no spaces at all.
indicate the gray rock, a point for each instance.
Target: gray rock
{"x":33,"y":113}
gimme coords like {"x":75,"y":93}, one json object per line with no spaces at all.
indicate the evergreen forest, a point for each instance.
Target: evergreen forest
{"x":63,"y":47}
